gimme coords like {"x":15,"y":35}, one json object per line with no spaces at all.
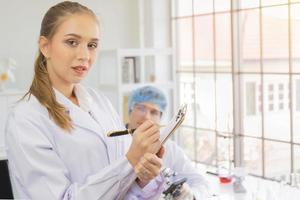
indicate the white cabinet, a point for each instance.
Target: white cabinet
{"x":7,"y":100}
{"x":123,"y":70}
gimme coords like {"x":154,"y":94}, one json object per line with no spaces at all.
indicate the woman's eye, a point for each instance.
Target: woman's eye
{"x":72,"y":42}
{"x":93,"y":45}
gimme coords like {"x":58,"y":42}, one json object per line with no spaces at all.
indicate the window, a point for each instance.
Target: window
{"x":298,"y":95}
{"x":250,"y":98}
{"x":238,"y":65}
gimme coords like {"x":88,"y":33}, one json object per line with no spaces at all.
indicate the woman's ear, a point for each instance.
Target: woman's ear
{"x":44,"y":46}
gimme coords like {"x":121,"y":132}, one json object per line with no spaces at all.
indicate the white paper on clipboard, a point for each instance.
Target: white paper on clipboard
{"x":175,"y":122}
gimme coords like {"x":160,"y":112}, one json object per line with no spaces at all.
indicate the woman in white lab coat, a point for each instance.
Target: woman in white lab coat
{"x":56,"y":135}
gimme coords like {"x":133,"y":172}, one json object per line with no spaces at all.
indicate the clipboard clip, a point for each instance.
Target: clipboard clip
{"x":174,"y":123}
{"x":181,"y":112}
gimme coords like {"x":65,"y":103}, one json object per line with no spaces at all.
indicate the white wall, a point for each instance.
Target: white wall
{"x":20,"y":24}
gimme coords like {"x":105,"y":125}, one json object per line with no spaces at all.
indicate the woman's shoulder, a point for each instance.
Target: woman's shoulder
{"x":27,"y":106}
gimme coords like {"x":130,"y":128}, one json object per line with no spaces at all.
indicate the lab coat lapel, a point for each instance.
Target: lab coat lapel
{"x":84,"y":120}
{"x":78,"y":116}
{"x":107,"y":125}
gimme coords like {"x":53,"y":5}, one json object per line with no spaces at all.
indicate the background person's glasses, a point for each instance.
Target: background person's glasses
{"x":143,"y":110}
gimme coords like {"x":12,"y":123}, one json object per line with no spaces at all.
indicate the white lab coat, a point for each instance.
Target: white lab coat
{"x":176,"y":160}
{"x":48,"y":163}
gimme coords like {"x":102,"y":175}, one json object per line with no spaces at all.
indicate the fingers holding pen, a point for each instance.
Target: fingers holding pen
{"x":147,"y":129}
{"x":146,"y":135}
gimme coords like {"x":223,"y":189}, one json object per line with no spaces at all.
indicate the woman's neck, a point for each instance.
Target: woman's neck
{"x":67,"y":91}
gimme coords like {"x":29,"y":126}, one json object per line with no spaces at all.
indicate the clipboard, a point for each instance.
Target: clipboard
{"x":175,"y":122}
{"x":166,"y":132}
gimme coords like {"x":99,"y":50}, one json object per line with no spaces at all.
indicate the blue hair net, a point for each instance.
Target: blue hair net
{"x":148,"y":94}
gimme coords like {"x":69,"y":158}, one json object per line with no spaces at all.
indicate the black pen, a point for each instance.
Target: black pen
{"x":119,"y":133}
{"x":123,"y":132}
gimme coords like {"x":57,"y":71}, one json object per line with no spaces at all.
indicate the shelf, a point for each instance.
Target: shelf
{"x":110,"y":87}
{"x":130,"y":87}
{"x":138,"y":52}
{"x":156,"y":51}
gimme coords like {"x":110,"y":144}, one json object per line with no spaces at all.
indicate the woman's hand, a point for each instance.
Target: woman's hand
{"x":145,"y":139}
{"x":147,"y":168}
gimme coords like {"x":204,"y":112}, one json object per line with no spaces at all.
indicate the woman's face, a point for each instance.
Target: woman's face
{"x":72,"y":50}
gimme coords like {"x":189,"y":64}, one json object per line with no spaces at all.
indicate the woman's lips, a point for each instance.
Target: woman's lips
{"x":80,"y":70}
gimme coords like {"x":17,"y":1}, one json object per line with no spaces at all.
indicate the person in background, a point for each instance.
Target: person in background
{"x":56,"y":135}
{"x":149,"y":103}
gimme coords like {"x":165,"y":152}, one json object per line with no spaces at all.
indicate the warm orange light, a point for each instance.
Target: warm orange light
{"x":4,"y":77}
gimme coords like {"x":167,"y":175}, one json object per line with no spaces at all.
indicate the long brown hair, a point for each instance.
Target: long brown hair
{"x":41,"y":86}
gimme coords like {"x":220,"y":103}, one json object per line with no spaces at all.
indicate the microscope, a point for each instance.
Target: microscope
{"x":173,"y":185}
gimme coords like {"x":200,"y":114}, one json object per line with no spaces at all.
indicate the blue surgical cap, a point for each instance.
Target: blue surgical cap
{"x":148,"y":94}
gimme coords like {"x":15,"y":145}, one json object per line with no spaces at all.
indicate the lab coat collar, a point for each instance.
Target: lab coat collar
{"x":83,"y":97}
{"x":80,"y":114}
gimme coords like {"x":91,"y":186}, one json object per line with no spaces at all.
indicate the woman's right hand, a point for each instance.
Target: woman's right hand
{"x":145,"y":139}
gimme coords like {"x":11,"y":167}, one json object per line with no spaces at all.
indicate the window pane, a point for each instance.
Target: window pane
{"x":222,"y":5}
{"x":276,"y":117}
{"x":275,"y":39}
{"x":249,"y":41}
{"x":249,"y":3}
{"x":187,"y":95}
{"x":185,"y":44}
{"x":223,"y":41}
{"x":277,"y":158}
{"x":297,"y":158}
{"x":187,"y":142}
{"x":184,"y":7}
{"x":206,"y":147}
{"x":252,"y":100}
{"x":201,"y":7}
{"x":296,"y":108}
{"x":204,"y":43}
{"x":295,"y":36}
{"x":205,"y":101}
{"x":225,"y":150}
{"x":273,"y":2}
{"x":224,"y":102}
{"x":252,"y":155}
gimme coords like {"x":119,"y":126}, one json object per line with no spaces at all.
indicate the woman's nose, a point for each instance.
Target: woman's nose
{"x":83,"y":53}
